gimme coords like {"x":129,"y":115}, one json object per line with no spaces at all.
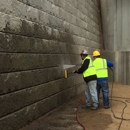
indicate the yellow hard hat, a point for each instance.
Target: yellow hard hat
{"x":96,"y":53}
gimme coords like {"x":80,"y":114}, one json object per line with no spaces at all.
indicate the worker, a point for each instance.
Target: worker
{"x":101,"y":66}
{"x":89,"y":74}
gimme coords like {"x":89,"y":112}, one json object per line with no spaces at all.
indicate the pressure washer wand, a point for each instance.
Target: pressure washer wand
{"x":68,"y":70}
{"x":111,"y":70}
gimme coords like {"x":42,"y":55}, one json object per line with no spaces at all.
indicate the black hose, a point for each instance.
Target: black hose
{"x":118,"y":101}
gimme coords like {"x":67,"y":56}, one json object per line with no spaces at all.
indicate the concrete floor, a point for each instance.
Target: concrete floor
{"x":64,"y":117}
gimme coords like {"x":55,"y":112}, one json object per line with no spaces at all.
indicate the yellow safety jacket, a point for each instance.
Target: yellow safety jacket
{"x":101,"y":67}
{"x":91,"y":69}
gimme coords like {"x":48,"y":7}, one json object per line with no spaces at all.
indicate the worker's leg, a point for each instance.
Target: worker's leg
{"x":98,"y":90}
{"x":105,"y":91}
{"x":88,"y":96}
{"x":93,"y":91}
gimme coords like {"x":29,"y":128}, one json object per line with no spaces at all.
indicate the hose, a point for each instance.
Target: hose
{"x":118,"y":101}
{"x":122,"y":119}
{"x":77,"y":108}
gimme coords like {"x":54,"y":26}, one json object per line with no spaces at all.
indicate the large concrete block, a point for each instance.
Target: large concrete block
{"x":73,"y":3}
{"x":55,"y":2}
{"x":62,"y":4}
{"x":6,"y":6}
{"x":43,"y":17}
{"x":16,"y":62}
{"x":7,"y":20}
{"x":81,"y":2}
{"x":82,"y":8}
{"x":83,"y":33}
{"x":11,"y":82}
{"x":72,"y":20}
{"x":19,"y":9}
{"x":81,"y":16}
{"x":62,"y":14}
{"x":39,"y":4}
{"x":55,"y":22}
{"x":82,"y":24}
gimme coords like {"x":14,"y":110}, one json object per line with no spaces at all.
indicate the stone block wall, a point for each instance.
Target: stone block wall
{"x":37,"y":37}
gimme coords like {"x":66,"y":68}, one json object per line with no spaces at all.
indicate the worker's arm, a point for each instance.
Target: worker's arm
{"x":83,"y":67}
{"x":109,"y":64}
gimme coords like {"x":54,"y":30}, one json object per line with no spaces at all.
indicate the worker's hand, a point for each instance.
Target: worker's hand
{"x":75,"y":71}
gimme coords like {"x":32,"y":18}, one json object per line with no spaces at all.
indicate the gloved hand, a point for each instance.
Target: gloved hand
{"x":75,"y":71}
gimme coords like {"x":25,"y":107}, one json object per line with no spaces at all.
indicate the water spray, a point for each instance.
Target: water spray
{"x":68,"y":69}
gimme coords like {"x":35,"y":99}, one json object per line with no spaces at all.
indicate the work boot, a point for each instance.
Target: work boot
{"x":106,"y":107}
{"x":85,"y":106}
{"x":94,"y":108}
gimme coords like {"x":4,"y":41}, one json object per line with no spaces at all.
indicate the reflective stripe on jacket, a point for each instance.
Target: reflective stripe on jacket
{"x":101,"y":67}
{"x":91,"y":69}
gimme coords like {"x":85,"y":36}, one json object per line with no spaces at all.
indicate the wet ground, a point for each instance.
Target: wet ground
{"x":71,"y":117}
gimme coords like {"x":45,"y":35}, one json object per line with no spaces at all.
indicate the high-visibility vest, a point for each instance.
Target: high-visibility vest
{"x":91,"y":69}
{"x":101,"y":67}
